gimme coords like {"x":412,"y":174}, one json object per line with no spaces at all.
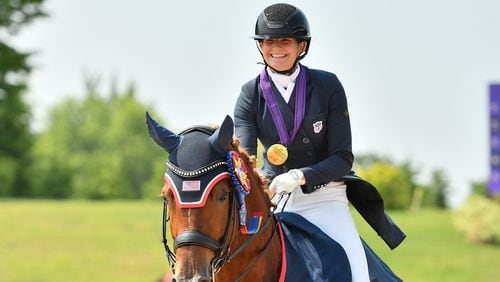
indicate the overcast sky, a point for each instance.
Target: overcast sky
{"x":416,"y":73}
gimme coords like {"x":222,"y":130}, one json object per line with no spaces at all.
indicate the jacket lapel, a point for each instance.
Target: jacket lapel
{"x":288,"y":109}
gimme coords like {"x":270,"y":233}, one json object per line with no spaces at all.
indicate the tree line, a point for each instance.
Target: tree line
{"x":97,"y":147}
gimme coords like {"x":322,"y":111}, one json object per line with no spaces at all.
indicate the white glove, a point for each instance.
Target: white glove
{"x":287,"y":182}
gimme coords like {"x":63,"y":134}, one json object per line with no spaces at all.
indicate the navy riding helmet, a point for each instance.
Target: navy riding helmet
{"x":283,"y":21}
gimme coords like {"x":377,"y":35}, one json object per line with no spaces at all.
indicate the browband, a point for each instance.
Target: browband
{"x":195,"y":173}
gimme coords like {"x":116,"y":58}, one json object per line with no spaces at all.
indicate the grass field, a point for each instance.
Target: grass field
{"x":120,"y":241}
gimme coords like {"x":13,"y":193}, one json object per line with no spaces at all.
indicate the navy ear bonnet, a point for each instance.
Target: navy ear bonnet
{"x":197,"y":159}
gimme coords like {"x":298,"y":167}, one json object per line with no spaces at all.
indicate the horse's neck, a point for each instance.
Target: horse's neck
{"x":261,"y":259}
{"x":259,"y":203}
{"x":258,"y":200}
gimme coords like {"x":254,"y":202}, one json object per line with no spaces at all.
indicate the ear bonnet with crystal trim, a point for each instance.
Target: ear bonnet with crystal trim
{"x":197,"y":159}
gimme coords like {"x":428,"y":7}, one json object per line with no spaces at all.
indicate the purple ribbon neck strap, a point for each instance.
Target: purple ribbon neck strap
{"x":300,"y":105}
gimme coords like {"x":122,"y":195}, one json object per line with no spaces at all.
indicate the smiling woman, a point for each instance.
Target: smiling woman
{"x":291,"y":108}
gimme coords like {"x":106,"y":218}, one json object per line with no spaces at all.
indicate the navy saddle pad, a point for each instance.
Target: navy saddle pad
{"x":313,"y":256}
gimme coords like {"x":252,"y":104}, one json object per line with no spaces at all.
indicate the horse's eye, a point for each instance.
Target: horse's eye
{"x":222,"y":196}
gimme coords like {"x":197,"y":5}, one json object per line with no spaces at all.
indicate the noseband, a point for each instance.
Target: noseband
{"x":188,"y":238}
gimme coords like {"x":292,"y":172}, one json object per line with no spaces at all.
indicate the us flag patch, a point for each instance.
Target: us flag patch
{"x":191,"y":185}
{"x":317,"y":126}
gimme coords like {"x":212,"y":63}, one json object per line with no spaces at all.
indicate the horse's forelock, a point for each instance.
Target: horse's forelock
{"x":235,"y":146}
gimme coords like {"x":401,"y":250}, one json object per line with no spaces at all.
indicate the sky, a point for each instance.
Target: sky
{"x":416,"y":73}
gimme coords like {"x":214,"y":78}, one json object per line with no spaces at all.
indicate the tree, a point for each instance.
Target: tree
{"x":15,"y":136}
{"x":394,"y":183}
{"x":436,"y":190}
{"x":479,"y":187}
{"x":97,"y":148}
{"x":478,"y":220}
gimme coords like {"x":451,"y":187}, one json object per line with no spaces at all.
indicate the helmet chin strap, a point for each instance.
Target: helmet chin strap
{"x":285,"y":72}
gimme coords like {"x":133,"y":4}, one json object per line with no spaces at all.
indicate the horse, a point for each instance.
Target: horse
{"x":210,"y":243}
{"x":222,"y":223}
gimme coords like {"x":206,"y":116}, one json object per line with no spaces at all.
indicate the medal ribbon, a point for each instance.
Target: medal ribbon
{"x":300,"y":105}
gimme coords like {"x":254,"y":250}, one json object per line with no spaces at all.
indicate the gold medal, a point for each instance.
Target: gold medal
{"x":277,"y":154}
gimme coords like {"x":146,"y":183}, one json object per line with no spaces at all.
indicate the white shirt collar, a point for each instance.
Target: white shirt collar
{"x":284,"y":83}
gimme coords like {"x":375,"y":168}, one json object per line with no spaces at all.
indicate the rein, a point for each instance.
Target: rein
{"x":168,"y":253}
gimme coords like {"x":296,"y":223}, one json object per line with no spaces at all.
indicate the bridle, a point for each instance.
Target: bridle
{"x":221,"y":248}
{"x":193,"y":237}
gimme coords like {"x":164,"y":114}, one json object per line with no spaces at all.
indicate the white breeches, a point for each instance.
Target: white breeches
{"x":328,"y":209}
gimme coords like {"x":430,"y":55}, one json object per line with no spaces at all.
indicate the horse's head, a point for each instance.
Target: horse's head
{"x":204,"y":168}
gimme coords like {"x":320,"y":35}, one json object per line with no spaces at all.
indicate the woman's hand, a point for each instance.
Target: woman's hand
{"x":287,"y":182}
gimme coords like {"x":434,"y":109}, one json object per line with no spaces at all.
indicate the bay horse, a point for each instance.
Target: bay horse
{"x":210,"y":186}
{"x":223,"y":227}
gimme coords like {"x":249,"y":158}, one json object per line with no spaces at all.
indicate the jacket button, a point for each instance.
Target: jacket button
{"x":309,"y":153}
{"x":305,"y":140}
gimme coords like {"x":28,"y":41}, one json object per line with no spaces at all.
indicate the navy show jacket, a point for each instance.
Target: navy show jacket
{"x":322,"y":147}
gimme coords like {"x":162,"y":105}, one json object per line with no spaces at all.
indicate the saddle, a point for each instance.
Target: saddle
{"x":311,"y":255}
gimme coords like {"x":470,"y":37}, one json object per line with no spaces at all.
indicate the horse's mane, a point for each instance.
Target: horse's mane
{"x":257,"y":181}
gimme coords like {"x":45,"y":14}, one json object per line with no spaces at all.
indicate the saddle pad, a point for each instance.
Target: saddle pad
{"x":311,"y":255}
{"x":377,"y":269}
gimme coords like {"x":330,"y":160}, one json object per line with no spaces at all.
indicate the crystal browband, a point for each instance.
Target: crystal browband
{"x":195,"y":173}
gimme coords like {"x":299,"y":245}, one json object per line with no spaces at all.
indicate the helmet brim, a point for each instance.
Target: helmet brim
{"x":272,"y":36}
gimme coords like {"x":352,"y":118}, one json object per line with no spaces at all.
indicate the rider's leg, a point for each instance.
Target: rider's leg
{"x":328,"y":209}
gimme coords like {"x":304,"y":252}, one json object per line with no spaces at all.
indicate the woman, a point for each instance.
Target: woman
{"x":300,"y":115}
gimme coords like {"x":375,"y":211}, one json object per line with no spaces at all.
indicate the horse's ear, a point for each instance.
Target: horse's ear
{"x":162,"y":136}
{"x":223,"y":136}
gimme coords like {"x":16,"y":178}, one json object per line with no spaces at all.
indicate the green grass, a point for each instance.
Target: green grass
{"x":434,"y":250}
{"x":80,"y":241}
{"x":121,"y":241}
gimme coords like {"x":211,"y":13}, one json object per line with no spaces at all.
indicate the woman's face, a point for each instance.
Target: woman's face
{"x":281,"y":53}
